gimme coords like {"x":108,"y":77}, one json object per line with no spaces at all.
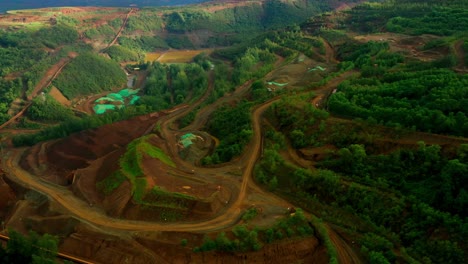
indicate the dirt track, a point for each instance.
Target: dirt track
{"x":97,"y":217}
{"x":46,"y":80}
{"x":120,"y":30}
{"x":228,"y":217}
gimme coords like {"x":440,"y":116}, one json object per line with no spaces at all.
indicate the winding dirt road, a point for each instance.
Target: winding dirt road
{"x":97,"y":217}
{"x":228,"y":217}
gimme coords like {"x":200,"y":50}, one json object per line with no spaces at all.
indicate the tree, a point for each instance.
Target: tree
{"x":377,"y":258}
{"x":29,"y":249}
{"x":273,"y":184}
{"x":297,"y":138}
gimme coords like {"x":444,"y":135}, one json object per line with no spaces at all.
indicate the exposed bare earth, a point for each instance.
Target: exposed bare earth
{"x":408,"y":45}
{"x":175,"y":56}
{"x":79,"y":161}
{"x":229,"y":216}
{"x":57,"y":95}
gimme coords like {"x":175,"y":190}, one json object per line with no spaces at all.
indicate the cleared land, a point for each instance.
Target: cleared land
{"x":175,"y":56}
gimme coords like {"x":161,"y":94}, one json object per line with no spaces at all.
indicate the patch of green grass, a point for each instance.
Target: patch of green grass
{"x":156,"y":153}
{"x":130,"y":168}
{"x":112,"y":182}
{"x":325,"y":237}
{"x":162,"y":198}
{"x":170,"y":216}
{"x":250,"y":214}
{"x":160,"y":192}
{"x":139,"y":189}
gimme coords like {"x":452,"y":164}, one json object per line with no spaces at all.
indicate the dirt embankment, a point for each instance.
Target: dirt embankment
{"x":86,"y":158}
{"x":7,"y":197}
{"x":294,"y":251}
{"x":56,"y":161}
{"x":85,"y":148}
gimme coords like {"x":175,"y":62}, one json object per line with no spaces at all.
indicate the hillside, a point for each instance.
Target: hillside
{"x":240,"y":131}
{"x":30,"y":4}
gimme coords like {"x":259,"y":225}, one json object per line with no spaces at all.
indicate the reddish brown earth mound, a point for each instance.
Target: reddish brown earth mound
{"x":7,"y":197}
{"x":86,"y":158}
{"x":57,"y":161}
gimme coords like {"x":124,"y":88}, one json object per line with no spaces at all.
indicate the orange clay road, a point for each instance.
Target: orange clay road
{"x":97,"y":217}
{"x":228,"y":218}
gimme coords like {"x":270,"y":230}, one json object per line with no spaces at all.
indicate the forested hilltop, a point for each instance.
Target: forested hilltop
{"x":47,"y":40}
{"x":348,"y":128}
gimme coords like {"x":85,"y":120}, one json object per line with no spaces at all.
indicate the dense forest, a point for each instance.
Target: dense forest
{"x":371,"y":174}
{"x":411,"y":197}
{"x":89,"y":74}
{"x":391,"y":199}
{"x":427,"y":100}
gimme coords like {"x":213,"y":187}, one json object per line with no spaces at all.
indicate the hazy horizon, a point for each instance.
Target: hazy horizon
{"x":30,"y":4}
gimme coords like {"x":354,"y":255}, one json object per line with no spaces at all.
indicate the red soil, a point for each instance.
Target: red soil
{"x":57,"y":95}
{"x":65,"y":156}
{"x":7,"y":196}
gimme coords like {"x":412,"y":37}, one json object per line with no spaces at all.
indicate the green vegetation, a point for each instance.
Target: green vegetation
{"x":247,"y":239}
{"x":186,"y":21}
{"x":401,"y":201}
{"x":369,"y":193}
{"x":168,"y":85}
{"x":57,"y":35}
{"x":116,"y":23}
{"x":104,"y":31}
{"x":46,"y":108}
{"x":465,"y":49}
{"x":9,"y":90}
{"x":130,"y":164}
{"x":29,"y":249}
{"x":177,"y":41}
{"x":231,"y":125}
{"x":426,"y":100}
{"x":253,"y":64}
{"x":74,"y":125}
{"x":298,"y":119}
{"x":411,"y":17}
{"x":247,"y":18}
{"x":187,"y":119}
{"x":119,"y":54}
{"x":23,"y":59}
{"x":169,"y":205}
{"x":146,"y":21}
{"x":111,"y":182}
{"x":143,"y":43}
{"x":250,"y":214}
{"x":88,"y":74}
{"x":411,"y":179}
{"x":322,"y":233}
{"x":160,"y":198}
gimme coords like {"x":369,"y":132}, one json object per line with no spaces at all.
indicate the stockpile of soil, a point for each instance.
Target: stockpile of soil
{"x":57,"y":161}
{"x":86,"y":158}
